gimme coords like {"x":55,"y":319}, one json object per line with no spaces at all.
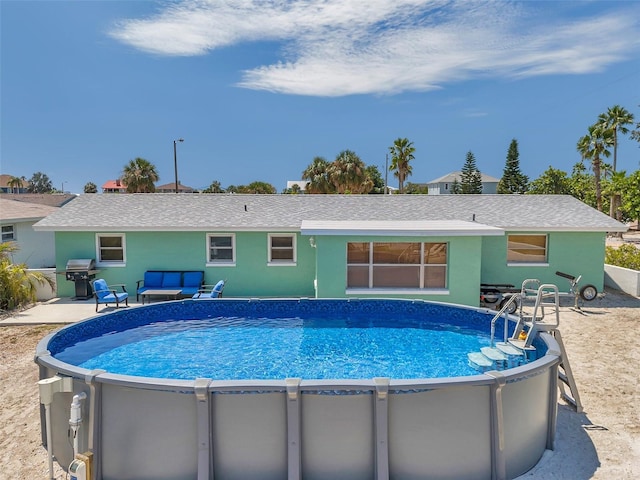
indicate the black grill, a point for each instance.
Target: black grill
{"x":81,"y":272}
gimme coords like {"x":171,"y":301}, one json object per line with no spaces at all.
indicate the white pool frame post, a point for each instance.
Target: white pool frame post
{"x":203,"y":410}
{"x":94,"y":434}
{"x":381,"y":409}
{"x":294,"y":450}
{"x":499,"y":462}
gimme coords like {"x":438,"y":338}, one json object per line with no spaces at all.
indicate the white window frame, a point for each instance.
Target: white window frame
{"x":12,"y":234}
{"x":282,"y":263}
{"x":444,"y":290}
{"x":221,"y":263}
{"x":111,"y":263}
{"x":545,"y":263}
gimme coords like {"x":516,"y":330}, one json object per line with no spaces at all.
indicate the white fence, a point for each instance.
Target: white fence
{"x":623,"y":279}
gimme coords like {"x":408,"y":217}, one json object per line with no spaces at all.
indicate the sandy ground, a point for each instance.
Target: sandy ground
{"x":601,"y":443}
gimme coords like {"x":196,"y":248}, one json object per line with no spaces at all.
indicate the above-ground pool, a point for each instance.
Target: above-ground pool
{"x":326,"y":389}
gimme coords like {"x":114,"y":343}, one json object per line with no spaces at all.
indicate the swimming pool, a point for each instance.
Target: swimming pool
{"x":301,"y":427}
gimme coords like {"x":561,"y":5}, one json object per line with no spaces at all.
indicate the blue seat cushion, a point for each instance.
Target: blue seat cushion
{"x":171,"y":279}
{"x":217,"y":289}
{"x":101,"y":288}
{"x":112,"y":298}
{"x":192,"y":279}
{"x":153,"y":279}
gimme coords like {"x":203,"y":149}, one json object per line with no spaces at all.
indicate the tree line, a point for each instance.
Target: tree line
{"x":603,"y":188}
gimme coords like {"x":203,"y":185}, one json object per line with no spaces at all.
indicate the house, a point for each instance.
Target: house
{"x":171,"y":188}
{"x":114,"y":186}
{"x":433,"y":247}
{"x":50,"y":199}
{"x":35,"y":249}
{"x":300,"y":185}
{"x":442,"y":185}
{"x":7,"y":187}
{"x":18,"y":213}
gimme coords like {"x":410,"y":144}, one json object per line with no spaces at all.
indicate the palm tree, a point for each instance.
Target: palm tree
{"x":348,"y":174}
{"x":317,"y":177}
{"x":139,"y":175}
{"x":401,"y":154}
{"x":593,"y":147}
{"x":615,"y":188}
{"x":215,"y":187}
{"x":15,"y":183}
{"x":617,"y":118}
{"x":39,"y":183}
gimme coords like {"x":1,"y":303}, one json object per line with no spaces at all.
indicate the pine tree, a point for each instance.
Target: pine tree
{"x":471,"y":178}
{"x":513,"y":180}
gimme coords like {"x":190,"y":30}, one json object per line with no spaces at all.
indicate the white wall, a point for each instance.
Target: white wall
{"x":37,"y":249}
{"x":623,"y":279}
{"x":44,"y":291}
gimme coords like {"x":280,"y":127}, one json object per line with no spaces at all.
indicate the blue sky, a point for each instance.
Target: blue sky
{"x":257,"y":89}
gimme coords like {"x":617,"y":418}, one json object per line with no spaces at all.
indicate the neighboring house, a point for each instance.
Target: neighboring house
{"x":36,"y":249}
{"x":442,"y":185}
{"x":50,"y":199}
{"x":114,"y":186}
{"x":171,"y":188}
{"x":5,"y":186}
{"x":301,"y":184}
{"x":329,"y":246}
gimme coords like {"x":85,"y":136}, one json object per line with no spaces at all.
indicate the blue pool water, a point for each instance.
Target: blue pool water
{"x":225,"y":348}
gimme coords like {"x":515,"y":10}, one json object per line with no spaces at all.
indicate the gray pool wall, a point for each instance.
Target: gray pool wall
{"x":495,"y":425}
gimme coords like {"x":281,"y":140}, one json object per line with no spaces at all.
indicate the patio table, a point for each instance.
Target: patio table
{"x":160,"y":293}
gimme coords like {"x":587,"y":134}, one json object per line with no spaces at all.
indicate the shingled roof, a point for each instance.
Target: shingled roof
{"x":232,"y":212}
{"x":12,"y":210}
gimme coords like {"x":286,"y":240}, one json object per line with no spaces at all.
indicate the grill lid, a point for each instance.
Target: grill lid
{"x":81,"y":264}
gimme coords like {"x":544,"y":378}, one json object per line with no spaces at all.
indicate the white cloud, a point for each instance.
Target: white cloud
{"x":343,"y":47}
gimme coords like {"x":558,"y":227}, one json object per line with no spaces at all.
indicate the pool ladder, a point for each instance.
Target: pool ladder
{"x":517,"y":350}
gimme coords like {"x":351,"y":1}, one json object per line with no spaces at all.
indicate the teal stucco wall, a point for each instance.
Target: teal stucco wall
{"x":471,"y":261}
{"x":251,"y":276}
{"x":463,"y":273}
{"x":576,"y":253}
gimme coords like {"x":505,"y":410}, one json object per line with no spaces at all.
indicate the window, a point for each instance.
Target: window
{"x":8,"y":233}
{"x":527,"y":249}
{"x":282,"y":249}
{"x":110,"y":249}
{"x":221,"y":249}
{"x":398,"y":265}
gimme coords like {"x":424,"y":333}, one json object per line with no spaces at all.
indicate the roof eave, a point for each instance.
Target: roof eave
{"x":602,"y":229}
{"x":404,"y":233}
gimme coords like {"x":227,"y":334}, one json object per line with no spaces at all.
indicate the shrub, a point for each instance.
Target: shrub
{"x":17,"y":284}
{"x":626,"y":256}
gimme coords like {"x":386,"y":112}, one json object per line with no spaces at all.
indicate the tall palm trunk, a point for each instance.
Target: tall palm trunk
{"x":597,"y":175}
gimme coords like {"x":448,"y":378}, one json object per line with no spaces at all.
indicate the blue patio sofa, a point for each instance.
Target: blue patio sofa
{"x":189,"y":281}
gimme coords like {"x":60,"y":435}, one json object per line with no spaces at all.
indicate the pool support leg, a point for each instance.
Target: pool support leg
{"x":294,"y":449}
{"x":203,"y":409}
{"x":498,"y":459}
{"x":381,"y":409}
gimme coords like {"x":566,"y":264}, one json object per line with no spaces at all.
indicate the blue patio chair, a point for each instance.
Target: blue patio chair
{"x":108,"y":294}
{"x":216,"y":292}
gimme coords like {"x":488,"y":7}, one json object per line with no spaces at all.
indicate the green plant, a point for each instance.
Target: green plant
{"x":17,"y":283}
{"x":625,"y":256}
